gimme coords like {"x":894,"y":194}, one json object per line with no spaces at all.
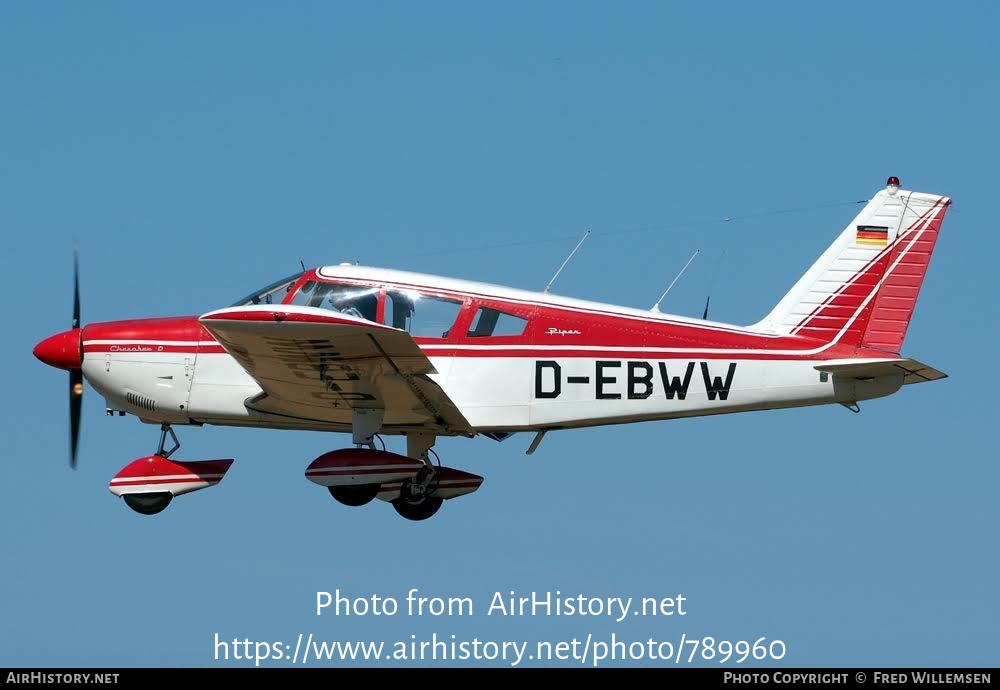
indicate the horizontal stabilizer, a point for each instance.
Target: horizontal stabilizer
{"x":913,"y":371}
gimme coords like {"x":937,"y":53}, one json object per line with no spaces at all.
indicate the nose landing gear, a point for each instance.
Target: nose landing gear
{"x":149,"y":484}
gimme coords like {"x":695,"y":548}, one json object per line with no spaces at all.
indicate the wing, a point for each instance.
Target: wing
{"x":320,"y":365}
{"x":912,"y":370}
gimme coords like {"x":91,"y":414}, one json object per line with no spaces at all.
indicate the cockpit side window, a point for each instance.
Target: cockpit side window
{"x":421,"y":315}
{"x":355,"y":300}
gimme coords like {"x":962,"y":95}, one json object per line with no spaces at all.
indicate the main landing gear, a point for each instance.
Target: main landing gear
{"x":420,"y":495}
{"x":413,"y":484}
{"x":418,"y":499}
{"x":356,"y":495}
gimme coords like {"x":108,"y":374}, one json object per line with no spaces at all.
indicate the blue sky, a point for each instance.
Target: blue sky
{"x":195,"y":153}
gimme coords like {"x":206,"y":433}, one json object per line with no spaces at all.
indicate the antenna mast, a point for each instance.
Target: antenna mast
{"x":656,"y":307}
{"x":566,"y":261}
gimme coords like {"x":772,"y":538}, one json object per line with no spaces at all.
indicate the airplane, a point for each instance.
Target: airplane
{"x":375,"y":352}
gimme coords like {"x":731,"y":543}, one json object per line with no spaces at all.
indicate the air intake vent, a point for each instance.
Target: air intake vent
{"x":140,"y":401}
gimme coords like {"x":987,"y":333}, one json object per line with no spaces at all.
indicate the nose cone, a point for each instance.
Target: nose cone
{"x":63,"y":350}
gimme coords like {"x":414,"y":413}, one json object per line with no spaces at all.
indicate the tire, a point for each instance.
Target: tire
{"x":148,"y":504}
{"x":421,"y":510}
{"x":354,"y":495}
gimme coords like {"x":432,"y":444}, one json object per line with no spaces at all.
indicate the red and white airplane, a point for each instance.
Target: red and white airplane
{"x":376,"y":352}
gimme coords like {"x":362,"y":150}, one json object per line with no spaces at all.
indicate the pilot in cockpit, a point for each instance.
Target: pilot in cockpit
{"x":347,"y":301}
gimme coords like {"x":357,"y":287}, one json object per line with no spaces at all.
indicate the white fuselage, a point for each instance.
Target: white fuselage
{"x":494,"y":393}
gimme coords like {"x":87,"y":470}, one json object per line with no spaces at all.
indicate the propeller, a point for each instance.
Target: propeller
{"x":75,"y":375}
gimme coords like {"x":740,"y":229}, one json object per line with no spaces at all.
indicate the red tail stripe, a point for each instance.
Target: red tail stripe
{"x":866,"y":273}
{"x":894,"y":304}
{"x":829,"y":318}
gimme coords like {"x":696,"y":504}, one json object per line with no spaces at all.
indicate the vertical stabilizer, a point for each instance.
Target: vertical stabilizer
{"x":863,"y":289}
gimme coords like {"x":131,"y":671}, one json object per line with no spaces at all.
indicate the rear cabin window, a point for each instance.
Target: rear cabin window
{"x":493,"y":322}
{"x":426,"y":316}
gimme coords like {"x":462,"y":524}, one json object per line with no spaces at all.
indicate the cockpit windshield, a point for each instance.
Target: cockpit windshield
{"x":272,"y":294}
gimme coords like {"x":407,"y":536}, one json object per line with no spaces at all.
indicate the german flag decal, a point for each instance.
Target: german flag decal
{"x":872,"y":235}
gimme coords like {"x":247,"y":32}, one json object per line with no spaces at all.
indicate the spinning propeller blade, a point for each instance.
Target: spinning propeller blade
{"x":75,"y":375}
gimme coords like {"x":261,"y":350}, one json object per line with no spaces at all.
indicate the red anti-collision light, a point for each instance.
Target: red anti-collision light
{"x":892,"y":181}
{"x":63,"y":350}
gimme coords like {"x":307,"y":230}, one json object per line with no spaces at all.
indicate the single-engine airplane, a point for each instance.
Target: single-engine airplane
{"x":376,"y":352}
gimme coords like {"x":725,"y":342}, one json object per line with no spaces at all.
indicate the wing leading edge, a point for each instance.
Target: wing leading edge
{"x":319,"y":365}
